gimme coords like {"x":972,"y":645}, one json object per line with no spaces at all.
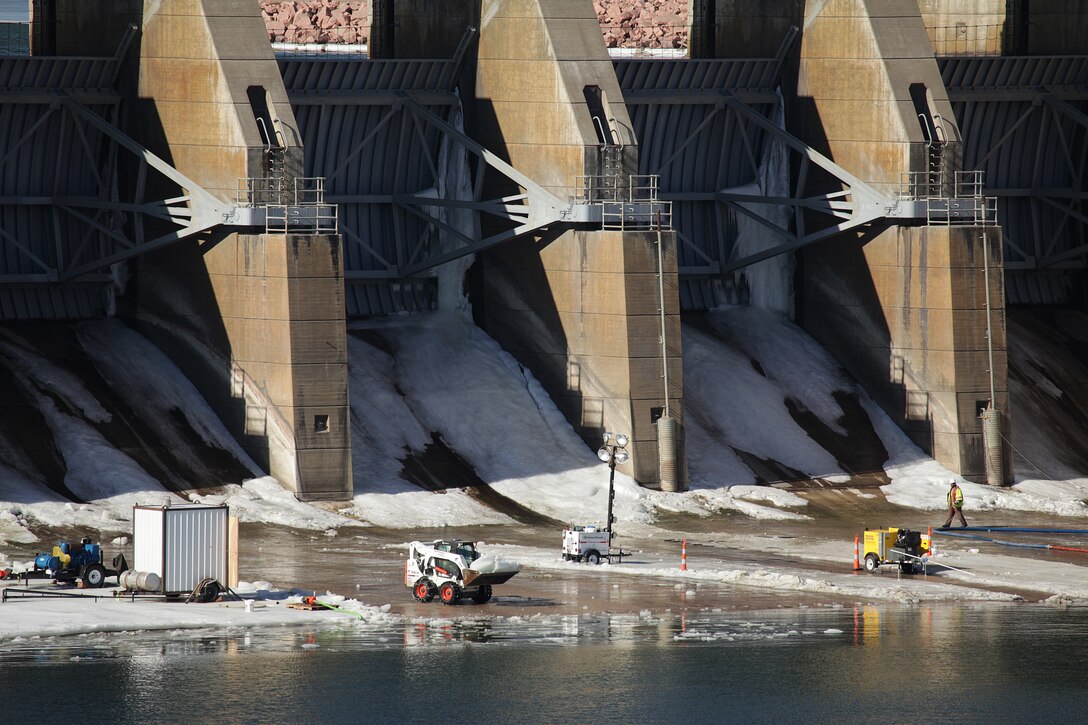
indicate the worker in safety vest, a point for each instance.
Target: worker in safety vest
{"x":955,"y":504}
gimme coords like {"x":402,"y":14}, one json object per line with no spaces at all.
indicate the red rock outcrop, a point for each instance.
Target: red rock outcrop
{"x":643,"y":23}
{"x":317,"y":21}
{"x":624,"y":23}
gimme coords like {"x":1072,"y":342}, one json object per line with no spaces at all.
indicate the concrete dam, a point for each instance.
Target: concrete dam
{"x":899,"y":178}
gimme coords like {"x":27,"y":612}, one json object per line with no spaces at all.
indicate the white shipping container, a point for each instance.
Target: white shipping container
{"x":182,"y":544}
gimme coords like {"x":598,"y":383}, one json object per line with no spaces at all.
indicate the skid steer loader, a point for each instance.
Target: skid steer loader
{"x":452,"y":570}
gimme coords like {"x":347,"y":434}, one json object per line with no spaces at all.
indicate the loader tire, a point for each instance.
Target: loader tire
{"x":871,"y":563}
{"x":449,"y":593}
{"x":482,"y":595}
{"x":423,"y":590}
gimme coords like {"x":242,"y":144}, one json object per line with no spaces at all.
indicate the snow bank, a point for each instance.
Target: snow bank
{"x":265,"y":500}
{"x":426,"y":380}
{"x":29,"y":619}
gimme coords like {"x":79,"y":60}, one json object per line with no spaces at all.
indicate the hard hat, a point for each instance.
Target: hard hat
{"x":951,"y":482}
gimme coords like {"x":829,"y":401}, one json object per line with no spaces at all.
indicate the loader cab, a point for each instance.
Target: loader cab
{"x":466,"y":549}
{"x":437,"y":566}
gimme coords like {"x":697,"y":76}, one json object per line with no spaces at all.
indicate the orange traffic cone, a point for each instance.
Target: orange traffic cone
{"x":684,"y":554}
{"x":857,"y":552}
{"x":932,"y":548}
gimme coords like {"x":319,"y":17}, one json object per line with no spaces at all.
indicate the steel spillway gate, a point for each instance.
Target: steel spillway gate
{"x":386,"y":137}
{"x":705,"y":127}
{"x":1025,"y":126}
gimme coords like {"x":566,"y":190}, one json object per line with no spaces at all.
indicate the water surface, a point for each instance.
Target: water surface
{"x":979,"y":663}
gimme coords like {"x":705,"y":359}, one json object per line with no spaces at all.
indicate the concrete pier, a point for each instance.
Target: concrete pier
{"x":255,"y":320}
{"x":579,"y":309}
{"x":903,"y":309}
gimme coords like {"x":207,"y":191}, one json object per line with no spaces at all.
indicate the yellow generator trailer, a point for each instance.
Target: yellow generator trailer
{"x":904,"y":547}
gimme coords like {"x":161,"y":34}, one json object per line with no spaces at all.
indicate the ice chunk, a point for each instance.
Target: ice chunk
{"x":489,"y":564}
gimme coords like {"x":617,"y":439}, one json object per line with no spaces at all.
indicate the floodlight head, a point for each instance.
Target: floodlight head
{"x":603,"y":454}
{"x":621,"y":440}
{"x":622,"y":456}
{"x":607,"y":436}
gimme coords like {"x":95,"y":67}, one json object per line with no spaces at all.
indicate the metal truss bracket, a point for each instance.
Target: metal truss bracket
{"x":856,"y":205}
{"x":532,"y":210}
{"x":196,"y":211}
{"x":192,"y":212}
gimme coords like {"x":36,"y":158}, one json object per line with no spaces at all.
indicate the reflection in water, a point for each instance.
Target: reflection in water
{"x":974,"y":663}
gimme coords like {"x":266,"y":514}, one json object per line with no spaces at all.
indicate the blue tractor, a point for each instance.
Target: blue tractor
{"x":82,"y":561}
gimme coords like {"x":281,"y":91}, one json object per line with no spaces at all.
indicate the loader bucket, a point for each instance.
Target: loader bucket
{"x":476,"y":579}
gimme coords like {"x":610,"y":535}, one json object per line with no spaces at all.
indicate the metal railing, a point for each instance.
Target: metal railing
{"x":296,"y":207}
{"x":627,"y":202}
{"x":957,"y":198}
{"x":962,"y":39}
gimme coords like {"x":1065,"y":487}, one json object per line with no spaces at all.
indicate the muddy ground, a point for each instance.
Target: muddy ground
{"x":367,"y":563}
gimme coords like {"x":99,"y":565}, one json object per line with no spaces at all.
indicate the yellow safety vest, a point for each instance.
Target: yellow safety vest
{"x":958,"y":502}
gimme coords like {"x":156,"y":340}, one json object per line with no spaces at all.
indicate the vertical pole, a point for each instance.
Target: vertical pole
{"x":991,"y":419}
{"x":661,"y":304}
{"x":666,"y":426}
{"x":989,"y":323}
{"x":611,"y":491}
{"x":684,"y":554}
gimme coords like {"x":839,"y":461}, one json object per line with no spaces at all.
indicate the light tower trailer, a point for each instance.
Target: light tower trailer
{"x":589,"y":544}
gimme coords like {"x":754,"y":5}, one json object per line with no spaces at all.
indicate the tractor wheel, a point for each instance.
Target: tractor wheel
{"x":449,"y":593}
{"x":423,"y":591}
{"x":871,"y":563}
{"x":592,"y":557}
{"x":482,"y":595}
{"x":94,"y":576}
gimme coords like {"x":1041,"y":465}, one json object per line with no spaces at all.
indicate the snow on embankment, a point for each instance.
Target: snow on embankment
{"x":436,"y":380}
{"x":1049,"y":401}
{"x":740,"y":371}
{"x":449,"y":430}
{"x":107,"y":421}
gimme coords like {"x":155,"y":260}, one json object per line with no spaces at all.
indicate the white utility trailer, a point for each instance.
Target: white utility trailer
{"x":185,"y":545}
{"x":589,"y":543}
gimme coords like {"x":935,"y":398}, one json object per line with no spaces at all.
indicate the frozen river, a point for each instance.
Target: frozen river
{"x":948,"y":663}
